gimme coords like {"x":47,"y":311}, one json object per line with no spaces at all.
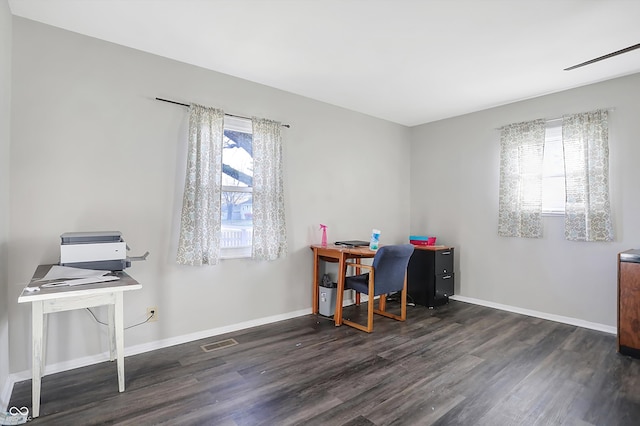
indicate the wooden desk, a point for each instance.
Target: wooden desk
{"x":49,"y":300}
{"x":340,"y":254}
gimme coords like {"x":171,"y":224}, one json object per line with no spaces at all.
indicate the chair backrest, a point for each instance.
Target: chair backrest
{"x":390,"y":266}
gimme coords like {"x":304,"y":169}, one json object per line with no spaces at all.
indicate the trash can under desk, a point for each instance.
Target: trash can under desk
{"x":327,"y":297}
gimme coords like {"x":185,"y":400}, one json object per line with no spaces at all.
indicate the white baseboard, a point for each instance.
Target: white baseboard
{"x":13,"y":378}
{"x":538,"y":314}
{"x":159,"y":344}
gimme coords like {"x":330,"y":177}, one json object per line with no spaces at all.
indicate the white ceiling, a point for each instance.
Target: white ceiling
{"x":406,"y":61}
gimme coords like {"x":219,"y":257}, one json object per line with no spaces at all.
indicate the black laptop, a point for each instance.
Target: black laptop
{"x":352,"y":243}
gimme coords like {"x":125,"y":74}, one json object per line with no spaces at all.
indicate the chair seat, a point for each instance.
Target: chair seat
{"x":359,"y":283}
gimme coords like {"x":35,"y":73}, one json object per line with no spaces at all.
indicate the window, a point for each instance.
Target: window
{"x":560,"y":169}
{"x":220,"y":164}
{"x":553,"y":180}
{"x":237,"y":189}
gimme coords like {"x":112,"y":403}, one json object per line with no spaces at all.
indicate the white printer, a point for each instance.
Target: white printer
{"x":105,"y":250}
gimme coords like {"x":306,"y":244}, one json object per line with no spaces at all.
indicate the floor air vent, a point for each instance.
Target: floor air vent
{"x":210,"y":347}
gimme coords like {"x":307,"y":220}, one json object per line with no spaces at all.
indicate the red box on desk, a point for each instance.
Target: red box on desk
{"x":431,"y":241}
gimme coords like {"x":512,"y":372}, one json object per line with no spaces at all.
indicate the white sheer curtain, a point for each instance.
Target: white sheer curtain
{"x":199,"y":242}
{"x":520,"y":203}
{"x":269,"y":227}
{"x":585,"y":138}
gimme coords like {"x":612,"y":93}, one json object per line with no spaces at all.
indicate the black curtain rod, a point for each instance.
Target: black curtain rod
{"x":230,"y":115}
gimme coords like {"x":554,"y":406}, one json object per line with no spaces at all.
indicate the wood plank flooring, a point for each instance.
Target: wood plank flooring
{"x":459,"y":364}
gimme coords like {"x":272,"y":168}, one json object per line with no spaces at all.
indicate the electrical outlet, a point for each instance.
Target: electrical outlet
{"x":152,"y":311}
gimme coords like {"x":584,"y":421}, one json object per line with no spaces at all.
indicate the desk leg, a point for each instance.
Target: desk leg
{"x":119,"y":332}
{"x":45,"y":333}
{"x":342,"y":269}
{"x":37,"y":331}
{"x":357,"y":272}
{"x":111,"y":310}
{"x":315,"y":307}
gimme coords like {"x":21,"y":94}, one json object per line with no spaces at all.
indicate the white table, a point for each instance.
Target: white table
{"x":58,"y":299}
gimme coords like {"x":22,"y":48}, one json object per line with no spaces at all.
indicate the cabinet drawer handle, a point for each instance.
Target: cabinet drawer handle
{"x":446,"y":277}
{"x":444,"y":253}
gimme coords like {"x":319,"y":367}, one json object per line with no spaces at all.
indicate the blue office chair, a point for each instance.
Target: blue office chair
{"x":387,"y":274}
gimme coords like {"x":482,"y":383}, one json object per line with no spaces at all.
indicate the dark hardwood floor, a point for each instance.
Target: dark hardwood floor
{"x":460,"y":364}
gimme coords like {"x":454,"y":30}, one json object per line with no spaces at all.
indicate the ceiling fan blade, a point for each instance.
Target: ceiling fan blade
{"x":607,"y":56}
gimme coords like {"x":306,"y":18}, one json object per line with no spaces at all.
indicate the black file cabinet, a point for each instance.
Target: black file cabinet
{"x":430,"y":276}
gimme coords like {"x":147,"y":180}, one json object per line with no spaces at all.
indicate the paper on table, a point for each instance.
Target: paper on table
{"x":67,"y":273}
{"x":78,"y":281}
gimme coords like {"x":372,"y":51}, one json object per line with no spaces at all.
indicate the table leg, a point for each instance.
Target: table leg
{"x":111,"y":314}
{"x":37,"y":330}
{"x":342,"y":266}
{"x":45,"y":333}
{"x":357,"y":272}
{"x":316,"y":286}
{"x":119,"y":332}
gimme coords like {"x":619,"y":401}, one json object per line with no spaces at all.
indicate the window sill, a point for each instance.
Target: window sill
{"x":552,"y":214}
{"x":222,"y":257}
{"x":243,"y":252}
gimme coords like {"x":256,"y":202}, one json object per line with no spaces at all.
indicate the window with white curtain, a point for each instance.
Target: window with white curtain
{"x":560,"y":167}
{"x":233,"y":202}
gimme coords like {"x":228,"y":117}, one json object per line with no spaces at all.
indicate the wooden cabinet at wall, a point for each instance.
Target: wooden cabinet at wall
{"x":629,"y":303}
{"x":430,"y":276}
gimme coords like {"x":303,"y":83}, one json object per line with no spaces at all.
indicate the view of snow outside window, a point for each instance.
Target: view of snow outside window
{"x":237,"y":182}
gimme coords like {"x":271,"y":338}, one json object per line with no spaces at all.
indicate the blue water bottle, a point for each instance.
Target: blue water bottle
{"x":375,"y":240}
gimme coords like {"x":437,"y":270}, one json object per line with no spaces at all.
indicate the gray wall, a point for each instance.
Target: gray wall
{"x":454,"y":195}
{"x":5,"y":133}
{"x":92,"y":150}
